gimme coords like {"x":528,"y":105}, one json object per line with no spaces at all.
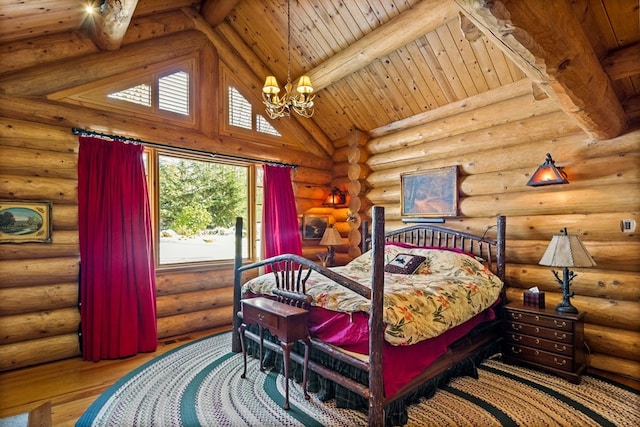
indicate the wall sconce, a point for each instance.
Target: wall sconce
{"x":331,"y":238}
{"x":335,"y":198}
{"x":548,"y":174}
{"x":566,"y":251}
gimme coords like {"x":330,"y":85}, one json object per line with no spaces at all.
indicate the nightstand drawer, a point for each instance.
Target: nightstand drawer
{"x":540,"y":320}
{"x":565,"y":349}
{"x":545,"y":358}
{"x":537,"y":331}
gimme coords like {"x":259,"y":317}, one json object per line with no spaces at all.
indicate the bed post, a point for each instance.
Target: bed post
{"x":500,"y":250}
{"x":376,"y":326}
{"x":236,"y":346}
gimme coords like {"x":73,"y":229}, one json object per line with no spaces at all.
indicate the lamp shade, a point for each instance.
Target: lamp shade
{"x":548,"y":174}
{"x":335,"y":198}
{"x":271,"y":85}
{"x":304,"y":85}
{"x":331,"y":237}
{"x":566,"y":251}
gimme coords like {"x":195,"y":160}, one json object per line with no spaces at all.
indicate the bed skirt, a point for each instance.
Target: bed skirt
{"x":395,"y":411}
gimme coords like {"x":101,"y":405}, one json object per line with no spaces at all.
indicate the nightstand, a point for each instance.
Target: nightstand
{"x":285,"y":321}
{"x":545,"y":339}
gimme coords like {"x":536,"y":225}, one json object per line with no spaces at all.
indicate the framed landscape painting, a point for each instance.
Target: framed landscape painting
{"x":25,"y":221}
{"x":430,"y":193}
{"x":313,"y":226}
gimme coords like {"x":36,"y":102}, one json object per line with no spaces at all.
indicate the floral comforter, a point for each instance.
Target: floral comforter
{"x":447,"y":289}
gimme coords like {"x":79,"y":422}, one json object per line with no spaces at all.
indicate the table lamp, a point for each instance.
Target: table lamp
{"x":566,"y":251}
{"x":331,"y":238}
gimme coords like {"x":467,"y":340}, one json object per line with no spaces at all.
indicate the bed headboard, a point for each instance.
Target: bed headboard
{"x":425,"y":234}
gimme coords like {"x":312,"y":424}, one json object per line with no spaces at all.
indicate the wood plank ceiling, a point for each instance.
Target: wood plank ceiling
{"x":377,"y":62}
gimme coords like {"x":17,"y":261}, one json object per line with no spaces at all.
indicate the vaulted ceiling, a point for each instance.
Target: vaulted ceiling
{"x":377,"y":63}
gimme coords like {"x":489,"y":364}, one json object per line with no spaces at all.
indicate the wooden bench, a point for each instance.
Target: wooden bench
{"x":285,"y":321}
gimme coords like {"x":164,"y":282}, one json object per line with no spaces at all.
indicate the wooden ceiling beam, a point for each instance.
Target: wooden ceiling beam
{"x":623,"y":63}
{"x":214,"y":11}
{"x":110,"y":26}
{"x":550,"y":46}
{"x":410,"y":25}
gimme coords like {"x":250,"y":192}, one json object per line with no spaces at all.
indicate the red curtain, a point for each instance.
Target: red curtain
{"x":117,"y":277}
{"x":280,"y":219}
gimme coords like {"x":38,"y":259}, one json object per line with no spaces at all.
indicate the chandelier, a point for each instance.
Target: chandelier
{"x":301,"y":102}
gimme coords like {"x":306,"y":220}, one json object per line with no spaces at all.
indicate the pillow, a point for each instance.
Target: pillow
{"x":456,"y":250}
{"x":404,"y":264}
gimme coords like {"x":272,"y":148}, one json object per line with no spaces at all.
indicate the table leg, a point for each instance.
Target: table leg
{"x":286,"y":351}
{"x":307,"y":348}
{"x":241,"y":329}
{"x":261,"y":347}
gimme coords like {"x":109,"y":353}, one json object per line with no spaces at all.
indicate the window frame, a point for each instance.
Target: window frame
{"x":153,"y":180}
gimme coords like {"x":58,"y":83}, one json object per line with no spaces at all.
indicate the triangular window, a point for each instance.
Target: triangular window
{"x":164,"y":90}
{"x":140,"y":94}
{"x":241,"y":114}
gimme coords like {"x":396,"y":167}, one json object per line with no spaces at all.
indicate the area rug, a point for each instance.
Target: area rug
{"x":199,"y":384}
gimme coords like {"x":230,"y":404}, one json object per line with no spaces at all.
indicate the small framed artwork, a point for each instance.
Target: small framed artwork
{"x":25,"y":221}
{"x":313,"y":226}
{"x":431,"y":192}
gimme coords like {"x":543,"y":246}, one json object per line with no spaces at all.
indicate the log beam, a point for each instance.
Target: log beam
{"x":410,"y":25}
{"x":550,"y":46}
{"x":214,"y":11}
{"x":45,"y":79}
{"x":76,"y":116}
{"x":111,"y":24}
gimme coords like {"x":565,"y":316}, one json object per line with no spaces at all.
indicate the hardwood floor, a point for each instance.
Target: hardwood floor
{"x":73,"y":384}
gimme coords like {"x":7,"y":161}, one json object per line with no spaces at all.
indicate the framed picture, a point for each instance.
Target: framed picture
{"x":430,"y":193}
{"x":25,"y":221}
{"x":313,"y":226}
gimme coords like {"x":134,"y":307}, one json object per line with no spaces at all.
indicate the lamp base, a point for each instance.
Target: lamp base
{"x":563,"y":308}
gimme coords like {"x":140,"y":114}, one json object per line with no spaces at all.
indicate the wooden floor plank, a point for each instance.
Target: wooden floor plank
{"x":72,"y":385}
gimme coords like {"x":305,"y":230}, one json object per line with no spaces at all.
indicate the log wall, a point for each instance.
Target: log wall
{"x":495,"y":157}
{"x":495,"y":145}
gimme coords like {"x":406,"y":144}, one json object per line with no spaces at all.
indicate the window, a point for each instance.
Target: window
{"x":198,"y":200}
{"x":241,"y":114}
{"x":159,"y":92}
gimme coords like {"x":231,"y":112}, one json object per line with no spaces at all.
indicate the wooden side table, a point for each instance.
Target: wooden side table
{"x":287,"y":322}
{"x":545,"y":339}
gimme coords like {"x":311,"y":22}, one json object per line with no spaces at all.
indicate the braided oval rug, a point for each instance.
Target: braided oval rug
{"x":199,"y":384}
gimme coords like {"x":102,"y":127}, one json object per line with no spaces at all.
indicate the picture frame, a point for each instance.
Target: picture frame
{"x":429,"y":193}
{"x":313,"y":226}
{"x":25,"y":221}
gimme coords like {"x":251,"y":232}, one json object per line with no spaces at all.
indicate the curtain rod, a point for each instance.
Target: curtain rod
{"x":84,"y":132}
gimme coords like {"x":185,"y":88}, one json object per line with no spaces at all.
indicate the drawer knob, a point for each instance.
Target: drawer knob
{"x":561,"y":362}
{"x":537,"y":341}
{"x":516,"y":337}
{"x":516,"y":327}
{"x":516,"y":316}
{"x":516,"y":350}
{"x":560,"y":336}
{"x":560,"y":324}
{"x":560,"y":347}
{"x":537,"y":318}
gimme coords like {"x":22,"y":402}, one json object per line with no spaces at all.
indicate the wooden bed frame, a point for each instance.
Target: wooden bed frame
{"x":292,"y":269}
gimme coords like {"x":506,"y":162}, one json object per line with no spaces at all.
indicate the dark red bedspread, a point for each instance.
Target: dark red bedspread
{"x":400,"y":363}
